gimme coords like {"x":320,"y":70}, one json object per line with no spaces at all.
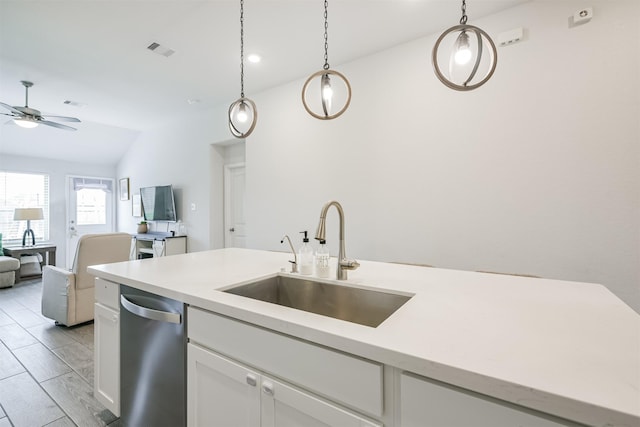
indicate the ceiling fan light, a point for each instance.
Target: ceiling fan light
{"x":25,"y":123}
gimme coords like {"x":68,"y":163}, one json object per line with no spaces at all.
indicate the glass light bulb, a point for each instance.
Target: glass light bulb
{"x":25,"y":123}
{"x":327,"y":92}
{"x":461,"y":49}
{"x":242,"y":113}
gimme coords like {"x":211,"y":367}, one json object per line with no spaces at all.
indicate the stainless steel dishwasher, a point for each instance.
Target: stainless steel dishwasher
{"x":152,"y":360}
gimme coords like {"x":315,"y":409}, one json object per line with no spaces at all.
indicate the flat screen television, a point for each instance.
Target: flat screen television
{"x":158,"y":203}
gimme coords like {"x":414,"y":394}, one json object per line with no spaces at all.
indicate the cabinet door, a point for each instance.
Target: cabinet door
{"x":175,"y":246}
{"x":425,"y":403}
{"x":285,"y":406}
{"x":220,"y":392}
{"x":107,"y":357}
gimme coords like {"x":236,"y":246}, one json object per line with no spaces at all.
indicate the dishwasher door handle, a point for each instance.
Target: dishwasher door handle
{"x":149,"y":313}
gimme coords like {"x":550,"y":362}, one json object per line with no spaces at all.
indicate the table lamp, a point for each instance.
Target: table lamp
{"x":22,"y":214}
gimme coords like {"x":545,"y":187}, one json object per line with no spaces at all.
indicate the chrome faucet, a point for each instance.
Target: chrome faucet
{"x":344,"y":264}
{"x":294,"y":263}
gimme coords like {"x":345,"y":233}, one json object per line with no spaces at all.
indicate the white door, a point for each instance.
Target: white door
{"x":234,"y":218}
{"x":90,"y":209}
{"x":107,"y":357}
{"x":285,"y":406}
{"x":220,"y":392}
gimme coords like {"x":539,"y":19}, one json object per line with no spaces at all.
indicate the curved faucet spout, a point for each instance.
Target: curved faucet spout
{"x":344,"y":264}
{"x":294,"y":263}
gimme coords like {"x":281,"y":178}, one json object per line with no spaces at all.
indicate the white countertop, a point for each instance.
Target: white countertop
{"x":565,"y":348}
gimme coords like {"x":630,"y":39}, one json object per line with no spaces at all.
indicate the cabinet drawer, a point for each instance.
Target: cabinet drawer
{"x":427,"y":402}
{"x":108,"y":293}
{"x":348,"y":379}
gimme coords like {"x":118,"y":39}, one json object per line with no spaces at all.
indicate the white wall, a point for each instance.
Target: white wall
{"x":176,"y":153}
{"x":58,"y":171}
{"x":537,"y":172}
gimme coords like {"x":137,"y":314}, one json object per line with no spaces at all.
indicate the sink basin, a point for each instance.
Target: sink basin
{"x":364,"y":306}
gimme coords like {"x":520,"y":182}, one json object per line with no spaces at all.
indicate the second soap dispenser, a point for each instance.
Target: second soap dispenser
{"x":322,"y":260}
{"x":305,"y":256}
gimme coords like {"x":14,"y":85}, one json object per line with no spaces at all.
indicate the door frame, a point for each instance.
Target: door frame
{"x":71,"y":254}
{"x":227,"y":196}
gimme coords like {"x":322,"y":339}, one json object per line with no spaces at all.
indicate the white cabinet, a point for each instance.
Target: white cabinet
{"x":426,"y":403}
{"x":220,"y":390}
{"x":158,"y":244}
{"x":285,"y":406}
{"x":107,"y":345}
{"x":348,"y":380}
{"x":223,"y":392}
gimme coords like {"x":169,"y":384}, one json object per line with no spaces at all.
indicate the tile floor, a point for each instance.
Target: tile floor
{"x":46,"y":371}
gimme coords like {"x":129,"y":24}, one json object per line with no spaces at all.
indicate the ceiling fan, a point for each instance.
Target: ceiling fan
{"x":29,"y":117}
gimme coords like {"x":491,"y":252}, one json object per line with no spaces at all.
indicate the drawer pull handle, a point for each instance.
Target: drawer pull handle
{"x":251,"y":380}
{"x":267,"y":388}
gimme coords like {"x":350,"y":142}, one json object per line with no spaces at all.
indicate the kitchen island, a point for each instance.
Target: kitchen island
{"x":567,"y":349}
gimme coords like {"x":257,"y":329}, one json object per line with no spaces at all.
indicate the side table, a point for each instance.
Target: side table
{"x":47,"y":251}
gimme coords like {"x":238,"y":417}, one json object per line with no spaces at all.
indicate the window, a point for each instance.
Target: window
{"x":91,"y":207}
{"x":91,"y":200}
{"x":23,"y":190}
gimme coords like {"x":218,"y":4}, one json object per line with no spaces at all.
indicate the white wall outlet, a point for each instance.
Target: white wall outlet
{"x":510,"y":37}
{"x":193,"y":207}
{"x":582,"y":16}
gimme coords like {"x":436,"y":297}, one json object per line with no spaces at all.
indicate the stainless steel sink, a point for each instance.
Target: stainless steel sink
{"x":364,"y":306}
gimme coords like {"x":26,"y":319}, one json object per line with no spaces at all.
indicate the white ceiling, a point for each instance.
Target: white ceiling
{"x":94,"y":52}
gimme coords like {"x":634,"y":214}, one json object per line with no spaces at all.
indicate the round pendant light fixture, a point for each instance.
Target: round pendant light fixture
{"x":326,"y":88}
{"x":243,"y":114}
{"x":472,"y":59}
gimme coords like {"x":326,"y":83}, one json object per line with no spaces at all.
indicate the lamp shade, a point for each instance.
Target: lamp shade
{"x":23,"y":214}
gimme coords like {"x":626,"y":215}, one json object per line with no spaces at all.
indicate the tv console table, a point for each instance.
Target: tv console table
{"x":148,"y":245}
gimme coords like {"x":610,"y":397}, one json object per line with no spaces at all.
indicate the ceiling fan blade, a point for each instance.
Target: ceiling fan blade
{"x":61,"y":118}
{"x":56,"y":125}
{"x":10,"y":108}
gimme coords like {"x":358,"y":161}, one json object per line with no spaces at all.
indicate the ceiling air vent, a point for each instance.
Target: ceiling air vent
{"x":160,"y":50}
{"x":75,"y":103}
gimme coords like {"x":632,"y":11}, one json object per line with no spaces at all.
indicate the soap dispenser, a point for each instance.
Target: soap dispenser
{"x":305,"y":256}
{"x":322,"y":260}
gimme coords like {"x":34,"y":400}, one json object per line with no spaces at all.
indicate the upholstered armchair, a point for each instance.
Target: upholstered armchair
{"x":68,"y":296}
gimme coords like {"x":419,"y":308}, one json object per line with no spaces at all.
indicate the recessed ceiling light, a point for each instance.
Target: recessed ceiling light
{"x":253,"y":58}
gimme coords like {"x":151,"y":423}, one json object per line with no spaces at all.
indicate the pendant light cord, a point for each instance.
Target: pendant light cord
{"x":463,"y":20}
{"x":241,"y":48}
{"x":326,"y":36}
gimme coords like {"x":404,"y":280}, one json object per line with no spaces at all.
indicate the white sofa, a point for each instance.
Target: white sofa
{"x":8,"y":268}
{"x":68,"y":296}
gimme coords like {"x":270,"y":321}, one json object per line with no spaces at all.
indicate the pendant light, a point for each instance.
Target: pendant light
{"x":472,"y":59}
{"x":243,"y":114}
{"x":329,"y":86}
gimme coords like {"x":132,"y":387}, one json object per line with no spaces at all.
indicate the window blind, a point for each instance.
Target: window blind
{"x":23,"y":190}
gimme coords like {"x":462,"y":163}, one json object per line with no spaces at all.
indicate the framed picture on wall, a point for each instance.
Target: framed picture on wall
{"x":136,"y":205}
{"x":124,"y":189}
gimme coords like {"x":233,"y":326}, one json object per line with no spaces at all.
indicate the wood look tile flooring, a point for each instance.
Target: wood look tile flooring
{"x":46,"y":371}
